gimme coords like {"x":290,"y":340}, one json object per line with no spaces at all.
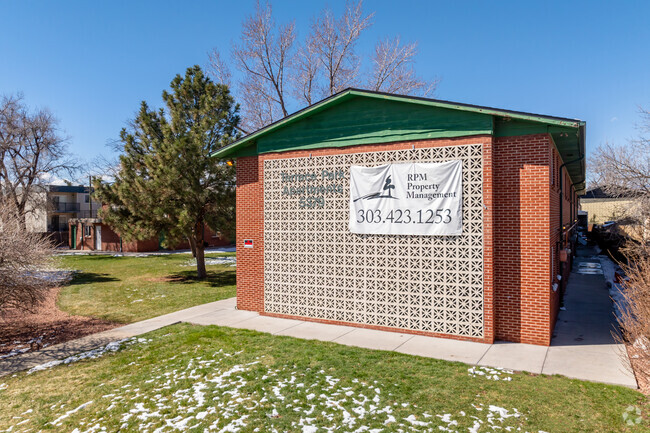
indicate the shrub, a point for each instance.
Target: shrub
{"x":25,"y":259}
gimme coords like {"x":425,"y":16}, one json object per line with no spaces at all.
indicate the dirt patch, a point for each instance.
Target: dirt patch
{"x":22,"y":332}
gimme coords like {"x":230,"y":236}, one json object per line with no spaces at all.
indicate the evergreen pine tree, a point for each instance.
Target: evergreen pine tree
{"x":167,"y":181}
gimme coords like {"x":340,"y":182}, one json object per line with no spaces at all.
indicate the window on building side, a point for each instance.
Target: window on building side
{"x":88,"y":231}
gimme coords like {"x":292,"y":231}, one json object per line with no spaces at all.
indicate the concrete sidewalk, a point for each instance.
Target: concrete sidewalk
{"x":580,"y":350}
{"x":582,"y":347}
{"x":583,"y":344}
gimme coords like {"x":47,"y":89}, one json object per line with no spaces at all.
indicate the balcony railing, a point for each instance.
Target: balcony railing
{"x":87,"y":214}
{"x":65,"y":207}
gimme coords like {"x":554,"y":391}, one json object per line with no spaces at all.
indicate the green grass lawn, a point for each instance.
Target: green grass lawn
{"x":219,"y":379}
{"x":128,"y":289}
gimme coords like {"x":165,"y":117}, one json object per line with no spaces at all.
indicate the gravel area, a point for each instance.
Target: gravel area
{"x":22,"y":332}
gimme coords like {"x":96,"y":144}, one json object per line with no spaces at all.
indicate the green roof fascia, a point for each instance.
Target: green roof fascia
{"x":472,"y":108}
{"x":349,"y":93}
{"x":571,"y":147}
{"x":312,"y":109}
{"x":362,"y":121}
{"x":250,"y":149}
{"x":385,"y":138}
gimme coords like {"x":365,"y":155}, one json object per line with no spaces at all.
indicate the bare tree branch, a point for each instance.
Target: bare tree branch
{"x":306,"y":74}
{"x":335,"y":42}
{"x":624,"y":171}
{"x":278,"y":77}
{"x":218,"y":69}
{"x":32,"y":151}
{"x":393,"y":70}
{"x":263,"y":55}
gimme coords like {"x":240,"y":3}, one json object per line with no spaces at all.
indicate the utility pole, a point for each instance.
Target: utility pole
{"x":90,"y":197}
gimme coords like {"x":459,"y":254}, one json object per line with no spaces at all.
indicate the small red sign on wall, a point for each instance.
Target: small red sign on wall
{"x":248,"y":243}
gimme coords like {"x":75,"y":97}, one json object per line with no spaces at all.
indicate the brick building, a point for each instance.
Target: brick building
{"x":497,"y":280}
{"x":602,"y":206}
{"x":55,"y":205}
{"x":91,"y":234}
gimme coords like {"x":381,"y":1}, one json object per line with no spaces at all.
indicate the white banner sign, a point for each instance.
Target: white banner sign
{"x":407,"y":199}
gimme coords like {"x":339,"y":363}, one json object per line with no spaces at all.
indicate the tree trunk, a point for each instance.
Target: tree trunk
{"x":192,"y":242}
{"x":200,"y":262}
{"x":200,"y":251}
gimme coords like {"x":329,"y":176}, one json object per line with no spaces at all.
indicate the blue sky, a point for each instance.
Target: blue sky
{"x":92,"y":63}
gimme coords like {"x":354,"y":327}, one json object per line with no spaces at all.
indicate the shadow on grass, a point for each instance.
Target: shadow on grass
{"x":214,"y":278}
{"x":91,"y":277}
{"x":96,"y":257}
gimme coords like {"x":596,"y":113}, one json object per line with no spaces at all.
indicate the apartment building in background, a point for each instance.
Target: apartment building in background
{"x":56,"y":205}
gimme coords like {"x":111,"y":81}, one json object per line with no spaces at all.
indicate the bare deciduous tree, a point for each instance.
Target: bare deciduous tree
{"x":624,"y":168}
{"x":305,"y":76}
{"x":263,"y":55}
{"x":634,"y":308}
{"x":24,"y":256}
{"x":280,"y":75}
{"x":624,"y":171}
{"x":218,"y":68}
{"x":31,"y":150}
{"x":394,"y":72}
{"x":335,"y":41}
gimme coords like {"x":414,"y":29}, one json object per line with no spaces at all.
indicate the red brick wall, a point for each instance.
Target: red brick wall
{"x":210,"y":238}
{"x":88,"y":242}
{"x":250,"y":224}
{"x":488,"y":242}
{"x":522,"y":215}
{"x":111,"y":241}
{"x":569,"y":214}
{"x":554,"y":230}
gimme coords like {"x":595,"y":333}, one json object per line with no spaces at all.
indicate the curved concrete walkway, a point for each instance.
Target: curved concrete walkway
{"x":582,"y":347}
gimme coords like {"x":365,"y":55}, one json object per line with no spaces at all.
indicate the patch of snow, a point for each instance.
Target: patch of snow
{"x":491,"y":373}
{"x":609,"y":268}
{"x":413,"y":421}
{"x":15,"y":352}
{"x":616,"y":290}
{"x":57,"y":421}
{"x":219,"y":393}
{"x":209,"y":261}
{"x":113,"y":346}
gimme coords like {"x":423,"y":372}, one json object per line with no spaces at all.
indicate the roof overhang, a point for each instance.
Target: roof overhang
{"x":568,"y":134}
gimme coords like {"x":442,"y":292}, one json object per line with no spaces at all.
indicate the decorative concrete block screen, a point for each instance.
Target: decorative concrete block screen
{"x":314,"y":267}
